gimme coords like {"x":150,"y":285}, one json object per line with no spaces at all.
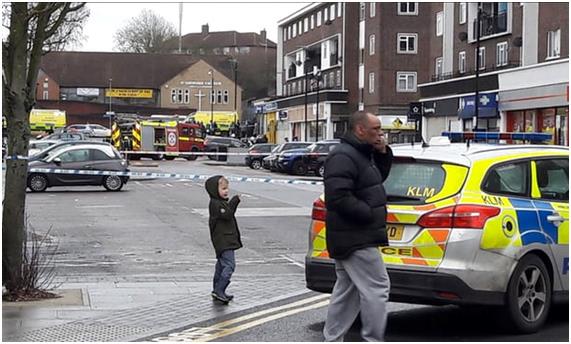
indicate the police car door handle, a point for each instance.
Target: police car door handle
{"x":555,"y":218}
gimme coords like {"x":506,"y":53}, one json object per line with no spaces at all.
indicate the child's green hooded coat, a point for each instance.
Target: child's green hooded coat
{"x":223,"y":226}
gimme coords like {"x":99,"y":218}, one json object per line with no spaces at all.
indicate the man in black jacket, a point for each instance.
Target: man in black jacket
{"x":356,"y":220}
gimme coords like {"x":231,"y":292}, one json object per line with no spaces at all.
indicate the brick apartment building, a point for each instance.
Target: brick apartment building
{"x":366,"y":56}
{"x":144,"y":84}
{"x":381,"y":57}
{"x":523,"y":77}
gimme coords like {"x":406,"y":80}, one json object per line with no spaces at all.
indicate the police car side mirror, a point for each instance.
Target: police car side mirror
{"x":57,"y":161}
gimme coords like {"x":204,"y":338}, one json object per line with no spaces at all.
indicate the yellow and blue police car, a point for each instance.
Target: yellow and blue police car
{"x":475,"y":224}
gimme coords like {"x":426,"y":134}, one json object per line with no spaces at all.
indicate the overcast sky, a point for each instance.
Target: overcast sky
{"x":106,"y":18}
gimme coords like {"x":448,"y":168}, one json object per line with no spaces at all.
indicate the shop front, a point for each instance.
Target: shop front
{"x":541,"y":109}
{"x":486,"y":119}
{"x":536,"y":99}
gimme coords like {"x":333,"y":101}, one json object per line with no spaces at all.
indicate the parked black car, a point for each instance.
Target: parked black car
{"x":271,"y":162}
{"x":314,"y":160}
{"x":79,"y":157}
{"x":257,"y":153}
{"x":221,"y":144}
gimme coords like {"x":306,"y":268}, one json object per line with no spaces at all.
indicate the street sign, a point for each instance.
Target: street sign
{"x":415,"y":112}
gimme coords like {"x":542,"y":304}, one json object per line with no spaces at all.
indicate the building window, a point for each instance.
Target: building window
{"x":371,"y":83}
{"x":406,"y":81}
{"x":300,"y":25}
{"x":407,"y":8}
{"x":187,"y":96}
{"x":179,"y":96}
{"x":289,"y":33}
{"x":407,"y":43}
{"x":482,"y":57}
{"x":294,"y":30}
{"x":325,"y":80}
{"x":438,"y":67}
{"x":338,"y":78}
{"x":553,"y":43}
{"x":362,"y":11}
{"x":212,"y":97}
{"x":339,"y":9}
{"x":502,"y":54}
{"x":173,"y":96}
{"x":439,"y":23}
{"x":284,"y":33}
{"x":219,"y":96}
{"x":373,"y":8}
{"x":45,"y":95}
{"x":319,"y":19}
{"x":306,"y":25}
{"x":325,"y":15}
{"x":312,"y":21}
{"x":372,"y":45}
{"x":462,"y":62}
{"x":462,"y":13}
{"x":332,"y":12}
{"x":226,"y":96}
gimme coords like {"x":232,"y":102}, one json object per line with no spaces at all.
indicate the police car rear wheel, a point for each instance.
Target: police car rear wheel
{"x":529,"y":295}
{"x":38,"y":183}
{"x":113,"y":183}
{"x":321,"y":170}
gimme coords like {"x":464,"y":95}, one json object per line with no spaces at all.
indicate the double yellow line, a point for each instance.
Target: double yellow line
{"x":226,"y":328}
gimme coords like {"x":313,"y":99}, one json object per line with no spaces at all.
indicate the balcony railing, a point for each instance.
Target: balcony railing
{"x":491,"y":24}
{"x":456,"y":74}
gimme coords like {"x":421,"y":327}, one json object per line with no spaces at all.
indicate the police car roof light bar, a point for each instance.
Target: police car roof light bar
{"x":484,"y":136}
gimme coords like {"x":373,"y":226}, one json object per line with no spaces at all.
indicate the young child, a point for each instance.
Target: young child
{"x":224,"y":234}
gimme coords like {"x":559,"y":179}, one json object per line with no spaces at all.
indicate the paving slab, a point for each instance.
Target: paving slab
{"x":111,"y":313}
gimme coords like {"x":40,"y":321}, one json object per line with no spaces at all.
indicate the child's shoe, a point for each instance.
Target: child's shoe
{"x":222,"y":298}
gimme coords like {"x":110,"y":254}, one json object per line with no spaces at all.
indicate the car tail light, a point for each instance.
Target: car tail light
{"x":319,"y":211}
{"x":459,"y":216}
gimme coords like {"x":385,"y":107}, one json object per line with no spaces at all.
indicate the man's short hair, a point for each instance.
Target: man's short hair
{"x":359,"y":117}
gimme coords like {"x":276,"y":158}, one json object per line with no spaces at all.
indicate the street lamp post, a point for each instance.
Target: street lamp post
{"x":317,"y":76}
{"x":305,"y":74}
{"x":110,"y":100}
{"x":235,"y":66}
{"x":211,"y":73}
{"x":477,"y":93}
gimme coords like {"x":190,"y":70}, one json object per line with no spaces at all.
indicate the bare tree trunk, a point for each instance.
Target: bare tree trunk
{"x":15,"y":93}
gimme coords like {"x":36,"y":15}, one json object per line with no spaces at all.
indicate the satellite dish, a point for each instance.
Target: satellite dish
{"x":517,"y":42}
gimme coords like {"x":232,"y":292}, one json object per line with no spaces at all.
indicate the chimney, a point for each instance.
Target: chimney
{"x":205,"y":29}
{"x":263,"y":34}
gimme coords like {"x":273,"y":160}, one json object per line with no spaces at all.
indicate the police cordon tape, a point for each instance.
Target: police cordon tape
{"x":174,"y":176}
{"x":204,"y":153}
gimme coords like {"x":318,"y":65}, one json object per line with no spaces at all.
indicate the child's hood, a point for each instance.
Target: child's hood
{"x":212,"y":187}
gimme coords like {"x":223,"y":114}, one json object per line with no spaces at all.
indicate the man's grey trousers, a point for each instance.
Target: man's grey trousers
{"x":362,"y":286}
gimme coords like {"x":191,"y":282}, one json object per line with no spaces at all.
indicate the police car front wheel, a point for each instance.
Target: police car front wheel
{"x":529,"y":295}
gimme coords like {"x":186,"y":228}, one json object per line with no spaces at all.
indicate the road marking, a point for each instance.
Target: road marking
{"x":169,"y":185}
{"x":262,"y":212}
{"x":219,"y":330}
{"x":99,"y":206}
{"x":293,"y":261}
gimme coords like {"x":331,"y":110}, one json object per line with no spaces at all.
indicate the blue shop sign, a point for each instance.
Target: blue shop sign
{"x":270,"y":107}
{"x":487,"y":106}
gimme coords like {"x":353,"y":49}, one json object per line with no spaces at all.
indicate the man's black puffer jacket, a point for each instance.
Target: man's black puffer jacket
{"x":355,"y":197}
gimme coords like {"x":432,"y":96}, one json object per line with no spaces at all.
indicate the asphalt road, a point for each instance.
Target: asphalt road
{"x":160,"y":228}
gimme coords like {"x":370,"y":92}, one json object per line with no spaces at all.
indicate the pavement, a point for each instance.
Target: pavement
{"x":136,"y":308}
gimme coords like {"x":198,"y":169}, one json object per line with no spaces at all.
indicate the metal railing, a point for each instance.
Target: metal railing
{"x":472,"y":71}
{"x":490,"y":24}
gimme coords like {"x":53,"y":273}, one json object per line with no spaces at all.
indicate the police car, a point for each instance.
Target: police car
{"x":471,"y":224}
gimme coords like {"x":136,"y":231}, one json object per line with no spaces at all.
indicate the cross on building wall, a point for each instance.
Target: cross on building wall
{"x":200,"y":95}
